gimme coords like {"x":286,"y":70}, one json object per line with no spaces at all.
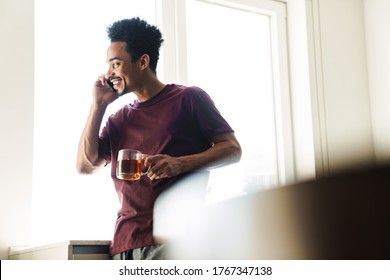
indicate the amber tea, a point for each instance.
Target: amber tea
{"x":129,"y":165}
{"x":129,"y":169}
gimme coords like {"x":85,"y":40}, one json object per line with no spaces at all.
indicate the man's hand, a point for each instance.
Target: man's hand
{"x":103,"y":93}
{"x":162,"y":166}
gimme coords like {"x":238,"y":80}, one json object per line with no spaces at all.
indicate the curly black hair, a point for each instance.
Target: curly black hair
{"x":140,"y":37}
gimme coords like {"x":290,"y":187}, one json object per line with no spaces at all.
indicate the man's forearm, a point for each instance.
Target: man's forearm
{"x":224,"y":152}
{"x":88,"y":160}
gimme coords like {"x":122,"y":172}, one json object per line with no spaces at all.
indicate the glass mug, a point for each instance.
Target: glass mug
{"x":129,"y":165}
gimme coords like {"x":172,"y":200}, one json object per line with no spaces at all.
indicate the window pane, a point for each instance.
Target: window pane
{"x":70,"y":52}
{"x":229,"y":56}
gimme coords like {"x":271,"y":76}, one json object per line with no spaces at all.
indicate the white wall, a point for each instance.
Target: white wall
{"x":339,"y":85}
{"x":16,"y":125}
{"x":377,"y":22}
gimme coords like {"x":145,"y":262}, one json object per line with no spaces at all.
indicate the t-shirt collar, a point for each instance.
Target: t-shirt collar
{"x":155,"y":99}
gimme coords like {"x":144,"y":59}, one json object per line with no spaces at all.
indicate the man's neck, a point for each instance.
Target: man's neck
{"x":149,"y":89}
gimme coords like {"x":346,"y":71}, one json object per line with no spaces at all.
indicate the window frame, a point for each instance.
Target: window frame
{"x":171,"y":16}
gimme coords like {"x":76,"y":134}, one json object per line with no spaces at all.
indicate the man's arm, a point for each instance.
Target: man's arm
{"x":88,"y":160}
{"x":226,"y":150}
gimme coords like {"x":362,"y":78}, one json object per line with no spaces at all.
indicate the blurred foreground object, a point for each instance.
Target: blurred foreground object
{"x":343,"y":216}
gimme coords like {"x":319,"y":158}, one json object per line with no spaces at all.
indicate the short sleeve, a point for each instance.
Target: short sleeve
{"x":206,"y":114}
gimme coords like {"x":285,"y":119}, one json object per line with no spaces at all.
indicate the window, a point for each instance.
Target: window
{"x":236,"y":51}
{"x":239,"y":59}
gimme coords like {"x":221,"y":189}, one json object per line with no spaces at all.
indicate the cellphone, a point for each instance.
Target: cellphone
{"x":110,"y":84}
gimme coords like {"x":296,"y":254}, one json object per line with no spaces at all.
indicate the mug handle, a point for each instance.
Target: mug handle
{"x":143,"y":159}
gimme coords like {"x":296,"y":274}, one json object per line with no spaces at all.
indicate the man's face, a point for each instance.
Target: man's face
{"x":122,"y":72}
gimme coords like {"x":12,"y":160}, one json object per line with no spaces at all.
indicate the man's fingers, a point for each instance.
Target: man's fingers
{"x":150,"y":160}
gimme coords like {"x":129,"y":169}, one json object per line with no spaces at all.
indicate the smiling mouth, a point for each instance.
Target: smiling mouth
{"x":115,"y":82}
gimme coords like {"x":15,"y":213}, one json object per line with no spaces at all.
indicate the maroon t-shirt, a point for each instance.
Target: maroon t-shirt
{"x":177,"y":121}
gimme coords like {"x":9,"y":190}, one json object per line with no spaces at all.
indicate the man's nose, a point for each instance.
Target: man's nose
{"x":109,"y":73}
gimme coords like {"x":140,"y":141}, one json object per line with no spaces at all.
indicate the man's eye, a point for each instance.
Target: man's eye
{"x":115,"y":65}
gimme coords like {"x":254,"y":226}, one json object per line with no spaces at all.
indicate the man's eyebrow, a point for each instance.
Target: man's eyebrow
{"x":114,"y":58}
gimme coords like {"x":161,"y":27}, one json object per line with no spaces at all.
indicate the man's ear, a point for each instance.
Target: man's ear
{"x":144,"y":61}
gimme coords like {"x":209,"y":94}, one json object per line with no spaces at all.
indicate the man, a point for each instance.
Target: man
{"x":177,"y":128}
